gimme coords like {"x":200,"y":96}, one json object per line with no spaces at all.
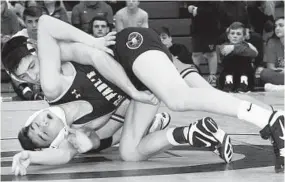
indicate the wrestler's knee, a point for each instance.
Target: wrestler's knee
{"x":129,"y":153}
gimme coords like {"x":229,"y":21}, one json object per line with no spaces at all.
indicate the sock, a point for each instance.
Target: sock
{"x":105,"y":143}
{"x":229,"y":79}
{"x":254,"y":114}
{"x":244,"y":79}
{"x":177,"y":136}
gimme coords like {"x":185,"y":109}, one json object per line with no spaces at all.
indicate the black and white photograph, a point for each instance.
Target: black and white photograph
{"x":142,"y":91}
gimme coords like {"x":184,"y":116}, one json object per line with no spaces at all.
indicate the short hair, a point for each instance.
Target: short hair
{"x":14,"y":51}
{"x":236,"y":25}
{"x":98,"y":18}
{"x":162,"y":30}
{"x":25,"y":140}
{"x":33,"y":11}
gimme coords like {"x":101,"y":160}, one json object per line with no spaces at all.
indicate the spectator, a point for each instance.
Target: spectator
{"x":54,"y":9}
{"x":238,"y":55}
{"x":205,"y":18}
{"x":178,"y":50}
{"x":274,"y":56}
{"x":9,"y":23}
{"x":85,"y":11}
{"x":31,"y":17}
{"x":131,"y":16}
{"x":99,"y":26}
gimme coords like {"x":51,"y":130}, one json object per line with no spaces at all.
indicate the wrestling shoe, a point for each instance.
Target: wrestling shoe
{"x":160,"y":122}
{"x":276,"y":132}
{"x":205,"y":133}
{"x":228,"y":87}
{"x":243,"y":88}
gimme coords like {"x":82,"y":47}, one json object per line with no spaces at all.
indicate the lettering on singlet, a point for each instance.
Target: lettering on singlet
{"x":107,"y":92}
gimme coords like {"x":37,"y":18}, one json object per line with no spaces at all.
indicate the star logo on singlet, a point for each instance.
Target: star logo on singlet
{"x":77,"y":94}
{"x":135,"y":40}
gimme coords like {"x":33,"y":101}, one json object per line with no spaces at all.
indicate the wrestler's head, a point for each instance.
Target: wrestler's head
{"x":20,"y":60}
{"x":42,"y":128}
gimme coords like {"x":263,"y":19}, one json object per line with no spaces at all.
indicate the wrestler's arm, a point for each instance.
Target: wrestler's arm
{"x":49,"y":156}
{"x":75,"y":110}
{"x":63,"y":31}
{"x":104,"y":63}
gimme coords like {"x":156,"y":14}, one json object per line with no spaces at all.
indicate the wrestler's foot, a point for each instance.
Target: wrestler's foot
{"x":160,"y":122}
{"x":276,"y":132}
{"x":205,"y":133}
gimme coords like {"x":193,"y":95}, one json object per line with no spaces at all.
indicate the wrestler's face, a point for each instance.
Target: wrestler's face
{"x":100,"y":28}
{"x":279,"y":28}
{"x":29,"y":69}
{"x":236,"y":36}
{"x":45,"y":128}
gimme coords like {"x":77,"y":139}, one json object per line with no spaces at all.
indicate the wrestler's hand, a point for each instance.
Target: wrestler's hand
{"x":104,"y":42}
{"x":145,"y":97}
{"x":227,"y":49}
{"x":21,"y":161}
{"x":79,"y":139}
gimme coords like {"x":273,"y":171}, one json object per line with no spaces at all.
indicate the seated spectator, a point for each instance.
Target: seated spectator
{"x":131,"y":16}
{"x":237,"y":58}
{"x":85,"y":11}
{"x":54,"y":9}
{"x":179,"y":51}
{"x":274,"y":56}
{"x":205,"y":32}
{"x":99,"y":26}
{"x":31,"y":17}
